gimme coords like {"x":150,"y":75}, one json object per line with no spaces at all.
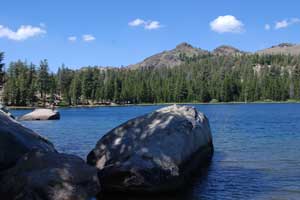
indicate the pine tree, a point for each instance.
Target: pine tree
{"x":1,"y":69}
{"x":200,"y":79}
{"x":43,"y":80}
{"x":76,"y":90}
{"x":65,"y":76}
{"x":32,"y":85}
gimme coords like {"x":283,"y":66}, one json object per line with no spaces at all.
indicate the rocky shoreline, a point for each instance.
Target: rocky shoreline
{"x":153,"y":153}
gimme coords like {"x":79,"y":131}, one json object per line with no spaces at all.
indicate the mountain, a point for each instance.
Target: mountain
{"x":175,"y":57}
{"x":283,"y":48}
{"x":170,"y":58}
{"x":226,"y":50}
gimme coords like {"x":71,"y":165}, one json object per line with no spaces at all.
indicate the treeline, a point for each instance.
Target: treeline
{"x":209,"y":78}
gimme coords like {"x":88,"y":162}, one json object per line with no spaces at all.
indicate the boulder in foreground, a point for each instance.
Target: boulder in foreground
{"x":156,"y":152}
{"x":17,"y":140}
{"x":49,"y":176}
{"x":42,"y":114}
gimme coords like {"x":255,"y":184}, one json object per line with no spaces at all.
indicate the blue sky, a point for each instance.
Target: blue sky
{"x":114,"y":33}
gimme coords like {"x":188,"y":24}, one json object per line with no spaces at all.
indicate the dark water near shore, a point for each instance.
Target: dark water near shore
{"x":257,"y":147}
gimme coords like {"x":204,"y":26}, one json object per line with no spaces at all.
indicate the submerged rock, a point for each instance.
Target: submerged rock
{"x":16,"y":140}
{"x":155,"y":152}
{"x":49,"y":176}
{"x":42,"y":114}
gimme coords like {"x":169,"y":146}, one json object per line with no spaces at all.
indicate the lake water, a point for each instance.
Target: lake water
{"x":257,"y":147}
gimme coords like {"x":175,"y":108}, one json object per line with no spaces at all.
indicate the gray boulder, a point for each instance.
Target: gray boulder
{"x":42,"y":114}
{"x":49,"y":176}
{"x":3,"y":108}
{"x":16,"y":140}
{"x":153,"y":153}
{"x":6,"y":111}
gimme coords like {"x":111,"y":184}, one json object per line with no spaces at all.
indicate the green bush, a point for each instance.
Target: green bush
{"x":214,"y":101}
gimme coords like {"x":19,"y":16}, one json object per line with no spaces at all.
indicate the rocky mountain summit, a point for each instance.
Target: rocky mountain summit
{"x":283,"y":48}
{"x":177,"y":55}
{"x":227,"y":50}
{"x":182,"y":51}
{"x":170,"y":58}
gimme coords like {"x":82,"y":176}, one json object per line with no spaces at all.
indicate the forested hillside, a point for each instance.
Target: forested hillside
{"x":206,"y":78}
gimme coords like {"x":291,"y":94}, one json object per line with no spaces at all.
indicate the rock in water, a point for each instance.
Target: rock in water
{"x":31,"y":168}
{"x":5,"y":111}
{"x":153,"y":153}
{"x":42,"y":114}
{"x":49,"y":176}
{"x":16,"y":140}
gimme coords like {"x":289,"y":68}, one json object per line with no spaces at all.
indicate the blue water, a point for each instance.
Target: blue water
{"x":257,"y":146}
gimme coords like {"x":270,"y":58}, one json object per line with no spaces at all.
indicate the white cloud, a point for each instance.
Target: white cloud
{"x":148,"y":25}
{"x":22,"y":33}
{"x":295,"y":20}
{"x":281,"y":24}
{"x":152,"y":25}
{"x":285,"y":23}
{"x":72,"y":38}
{"x":227,"y":24}
{"x":88,"y":38}
{"x":267,"y":27}
{"x":137,"y":22}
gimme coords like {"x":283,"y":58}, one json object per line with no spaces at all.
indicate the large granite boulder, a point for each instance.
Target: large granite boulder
{"x":5,"y":111}
{"x":31,"y":168}
{"x":153,"y":153}
{"x":42,"y":175}
{"x":16,"y":140}
{"x":42,"y":114}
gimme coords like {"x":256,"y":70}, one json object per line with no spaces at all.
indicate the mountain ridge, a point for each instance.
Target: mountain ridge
{"x":171,"y":57}
{"x":282,"y":48}
{"x":175,"y":57}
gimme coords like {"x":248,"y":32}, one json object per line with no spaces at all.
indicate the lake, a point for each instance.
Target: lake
{"x":257,"y":147}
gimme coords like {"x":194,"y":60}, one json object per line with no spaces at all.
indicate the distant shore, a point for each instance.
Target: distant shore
{"x":157,"y":104}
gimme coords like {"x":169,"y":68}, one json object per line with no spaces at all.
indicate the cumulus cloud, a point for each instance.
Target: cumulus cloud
{"x":148,"y":25}
{"x":285,"y":23}
{"x":88,"y":38}
{"x":267,"y":27}
{"x":281,"y":24}
{"x":22,"y":33}
{"x":152,"y":25}
{"x":227,"y":24}
{"x":137,"y":22}
{"x":72,"y":38}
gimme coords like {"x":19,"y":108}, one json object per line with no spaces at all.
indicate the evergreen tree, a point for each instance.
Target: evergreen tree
{"x":1,"y":69}
{"x":76,"y":90}
{"x":65,"y":77}
{"x":43,"y":81}
{"x":199,"y":79}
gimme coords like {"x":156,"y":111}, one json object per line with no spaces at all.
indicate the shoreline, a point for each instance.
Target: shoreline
{"x":157,"y":104}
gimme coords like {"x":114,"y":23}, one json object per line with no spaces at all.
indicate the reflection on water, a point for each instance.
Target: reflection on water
{"x":185,"y":193}
{"x":211,"y":184}
{"x":257,"y":148}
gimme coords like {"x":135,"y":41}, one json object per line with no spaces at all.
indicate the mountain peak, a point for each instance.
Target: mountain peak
{"x":282,"y":45}
{"x":170,"y":58}
{"x":282,"y":48}
{"x":184,"y":45}
{"x":226,"y":50}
